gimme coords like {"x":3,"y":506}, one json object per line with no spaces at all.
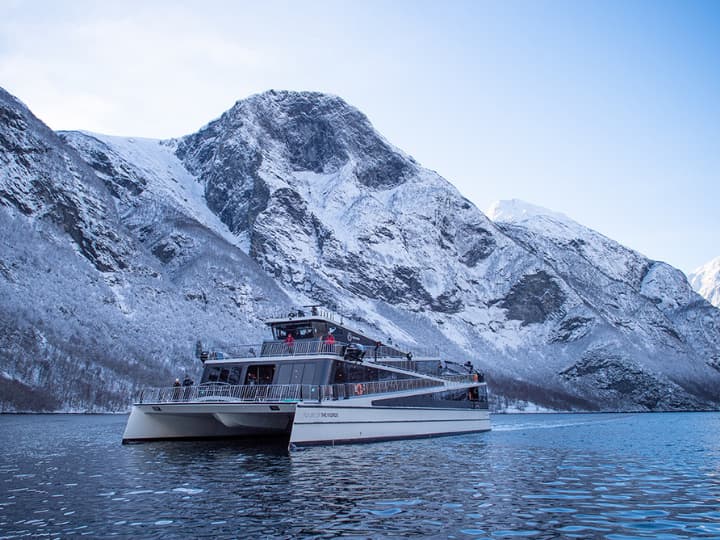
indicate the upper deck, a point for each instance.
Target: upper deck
{"x":317,"y":332}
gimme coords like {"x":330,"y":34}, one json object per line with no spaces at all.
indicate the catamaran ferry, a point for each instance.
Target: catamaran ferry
{"x":316,"y":381}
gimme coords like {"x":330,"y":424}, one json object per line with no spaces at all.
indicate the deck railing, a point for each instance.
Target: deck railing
{"x":278,"y":392}
{"x":303,"y":347}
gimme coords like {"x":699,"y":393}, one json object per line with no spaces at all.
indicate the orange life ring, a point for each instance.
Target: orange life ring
{"x":359,"y":389}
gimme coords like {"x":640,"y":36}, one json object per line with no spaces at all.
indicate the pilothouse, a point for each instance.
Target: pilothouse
{"x":317,"y":381}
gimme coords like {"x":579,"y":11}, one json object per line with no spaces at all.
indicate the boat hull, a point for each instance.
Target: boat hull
{"x":148,"y":422}
{"x":323,"y":424}
{"x":303,"y":423}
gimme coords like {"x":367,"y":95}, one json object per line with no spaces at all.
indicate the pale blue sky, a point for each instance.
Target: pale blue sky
{"x":606,"y":111}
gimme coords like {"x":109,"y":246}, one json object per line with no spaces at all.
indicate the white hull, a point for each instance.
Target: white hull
{"x":338,"y":423}
{"x":303,"y":423}
{"x":207,"y":420}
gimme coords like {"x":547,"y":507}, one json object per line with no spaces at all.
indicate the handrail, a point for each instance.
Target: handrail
{"x":303,"y":347}
{"x":225,"y":392}
{"x":278,"y":392}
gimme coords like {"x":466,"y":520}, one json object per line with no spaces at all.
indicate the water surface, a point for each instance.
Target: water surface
{"x":534,"y":476}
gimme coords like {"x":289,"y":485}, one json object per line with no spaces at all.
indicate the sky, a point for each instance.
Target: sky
{"x":607,"y":111}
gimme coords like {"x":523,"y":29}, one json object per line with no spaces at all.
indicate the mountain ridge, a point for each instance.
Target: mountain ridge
{"x":294,"y":197}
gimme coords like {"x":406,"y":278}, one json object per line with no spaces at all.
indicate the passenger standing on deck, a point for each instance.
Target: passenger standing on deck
{"x":328,"y":343}
{"x":187,"y":383}
{"x":290,"y":343}
{"x":176,"y":390}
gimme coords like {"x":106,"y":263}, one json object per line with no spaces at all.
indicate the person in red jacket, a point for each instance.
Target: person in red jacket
{"x":329,"y":342}
{"x":290,"y":343}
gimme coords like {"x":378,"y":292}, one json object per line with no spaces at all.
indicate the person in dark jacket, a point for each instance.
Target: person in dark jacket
{"x":187,"y":383}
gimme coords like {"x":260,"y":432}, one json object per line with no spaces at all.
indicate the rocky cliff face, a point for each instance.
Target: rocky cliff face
{"x":654,"y":323}
{"x":107,"y":276}
{"x":292,"y":197}
{"x":706,"y":281}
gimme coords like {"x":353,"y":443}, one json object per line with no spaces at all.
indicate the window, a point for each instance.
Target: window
{"x":298,"y":331}
{"x":211,"y":374}
{"x":297,"y":373}
{"x":260,"y":374}
{"x":354,"y":373}
{"x":309,"y":374}
{"x":234,"y":377}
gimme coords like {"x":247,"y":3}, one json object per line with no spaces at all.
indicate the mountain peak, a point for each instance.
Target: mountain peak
{"x":281,"y":134}
{"x":292,"y":107}
{"x":516,"y":211}
{"x":289,"y":96}
{"x":706,"y":281}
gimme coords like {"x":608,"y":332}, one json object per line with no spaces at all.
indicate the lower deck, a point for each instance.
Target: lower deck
{"x":311,"y":414}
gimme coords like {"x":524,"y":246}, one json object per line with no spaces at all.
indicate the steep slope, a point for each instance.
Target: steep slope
{"x":292,"y":197}
{"x":106,"y":280}
{"x":334,"y":212}
{"x":706,"y":281}
{"x":670,"y":332}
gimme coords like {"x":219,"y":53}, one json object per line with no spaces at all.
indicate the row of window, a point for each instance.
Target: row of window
{"x":254,"y":374}
{"x":298,"y":373}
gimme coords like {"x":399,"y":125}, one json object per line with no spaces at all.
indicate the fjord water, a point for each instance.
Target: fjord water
{"x":614,"y":476}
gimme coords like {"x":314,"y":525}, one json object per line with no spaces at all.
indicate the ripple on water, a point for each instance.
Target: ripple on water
{"x":188,"y":491}
{"x":557,"y":510}
{"x":388,"y":512}
{"x":514,"y":533}
{"x":639,"y":514}
{"x":580,"y":481}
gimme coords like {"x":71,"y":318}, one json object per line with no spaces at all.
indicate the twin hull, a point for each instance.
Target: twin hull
{"x":305,"y":423}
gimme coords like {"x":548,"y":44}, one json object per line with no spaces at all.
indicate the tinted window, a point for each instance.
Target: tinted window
{"x":298,"y":331}
{"x":297,"y":373}
{"x":211,"y":374}
{"x":262,"y":374}
{"x":284,"y":374}
{"x":234,"y":377}
{"x":309,"y":374}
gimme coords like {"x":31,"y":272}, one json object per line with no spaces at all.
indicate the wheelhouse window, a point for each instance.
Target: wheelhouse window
{"x":297,"y":331}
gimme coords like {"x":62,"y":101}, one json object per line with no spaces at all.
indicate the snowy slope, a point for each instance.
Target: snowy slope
{"x":649,"y":302}
{"x":335,"y":212}
{"x":108,"y":278}
{"x":706,"y":281}
{"x":292,"y":197}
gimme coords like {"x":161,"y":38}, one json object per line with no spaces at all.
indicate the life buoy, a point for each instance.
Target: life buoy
{"x":359,"y":389}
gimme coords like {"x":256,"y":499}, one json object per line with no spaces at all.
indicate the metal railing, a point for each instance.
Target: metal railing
{"x":303,"y":347}
{"x":226,"y":392}
{"x":279,"y":392}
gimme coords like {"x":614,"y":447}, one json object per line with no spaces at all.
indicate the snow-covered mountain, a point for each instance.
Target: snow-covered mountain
{"x":108,"y":273}
{"x":292,"y":197}
{"x":706,"y":281}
